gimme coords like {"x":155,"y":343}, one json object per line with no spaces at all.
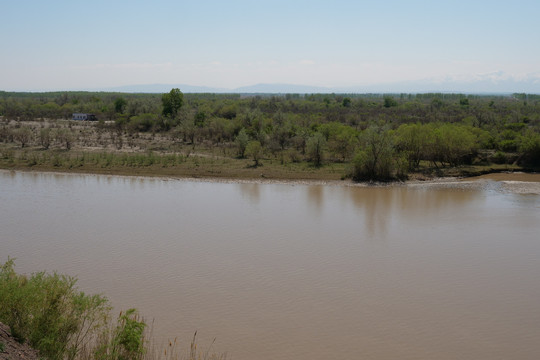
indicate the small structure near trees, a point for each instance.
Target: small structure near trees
{"x":84,"y":117}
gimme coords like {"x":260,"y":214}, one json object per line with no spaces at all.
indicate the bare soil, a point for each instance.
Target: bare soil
{"x":12,"y":349}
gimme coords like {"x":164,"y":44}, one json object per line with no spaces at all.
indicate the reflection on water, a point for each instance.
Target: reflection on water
{"x":375,"y":204}
{"x":315,"y":195}
{"x":251,"y":190}
{"x":281,"y":271}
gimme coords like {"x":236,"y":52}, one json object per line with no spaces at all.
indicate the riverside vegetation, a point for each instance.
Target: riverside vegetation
{"x":52,"y":315}
{"x":314,"y":136}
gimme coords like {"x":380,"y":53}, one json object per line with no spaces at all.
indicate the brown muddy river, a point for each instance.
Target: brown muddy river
{"x":290,"y":271}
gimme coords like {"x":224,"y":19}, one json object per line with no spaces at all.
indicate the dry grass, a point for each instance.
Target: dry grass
{"x":172,"y":350}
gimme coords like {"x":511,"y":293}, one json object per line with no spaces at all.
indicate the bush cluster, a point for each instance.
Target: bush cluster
{"x":49,"y":313}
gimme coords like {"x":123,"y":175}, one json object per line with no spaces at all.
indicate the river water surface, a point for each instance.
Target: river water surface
{"x":292,"y":271}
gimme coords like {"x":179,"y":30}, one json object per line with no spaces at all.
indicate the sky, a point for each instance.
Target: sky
{"x":76,"y":45}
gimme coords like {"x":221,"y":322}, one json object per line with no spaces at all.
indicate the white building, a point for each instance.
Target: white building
{"x":84,"y":117}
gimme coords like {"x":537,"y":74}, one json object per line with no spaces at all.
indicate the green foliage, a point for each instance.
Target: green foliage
{"x":200,"y":118}
{"x":120,"y":105}
{"x":413,"y":140}
{"x":389,"y":102}
{"x":125,"y":341}
{"x":454,"y":144}
{"x":316,"y":146}
{"x":254,"y":150}
{"x":530,"y":148}
{"x":437,"y":103}
{"x":143,"y":122}
{"x":428,"y":130}
{"x":341,"y":139}
{"x":51,"y":315}
{"x":228,"y":111}
{"x":508,"y":145}
{"x":172,"y":102}
{"x":499,"y":158}
{"x":242,"y":140}
{"x":49,"y":312}
{"x":375,"y":160}
{"x":360,"y":170}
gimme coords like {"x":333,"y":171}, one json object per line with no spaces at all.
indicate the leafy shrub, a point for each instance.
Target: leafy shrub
{"x":125,"y":341}
{"x":316,"y":147}
{"x":48,"y":311}
{"x":530,"y":148}
{"x":508,"y":145}
{"x":143,"y":122}
{"x":254,"y":150}
{"x":241,"y":140}
{"x":378,"y":160}
{"x":499,"y":158}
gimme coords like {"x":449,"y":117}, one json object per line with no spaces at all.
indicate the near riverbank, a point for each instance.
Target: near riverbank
{"x":207,"y":165}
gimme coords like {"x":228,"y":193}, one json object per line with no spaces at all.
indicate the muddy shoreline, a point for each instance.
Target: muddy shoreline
{"x":519,"y":182}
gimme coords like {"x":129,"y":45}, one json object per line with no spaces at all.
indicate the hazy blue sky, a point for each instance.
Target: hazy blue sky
{"x":74,"y":44}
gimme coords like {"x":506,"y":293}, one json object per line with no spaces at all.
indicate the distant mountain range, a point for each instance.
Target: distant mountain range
{"x":253,"y":89}
{"x":492,"y":83}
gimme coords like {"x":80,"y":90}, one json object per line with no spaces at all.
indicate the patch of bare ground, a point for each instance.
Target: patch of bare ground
{"x":11,"y":349}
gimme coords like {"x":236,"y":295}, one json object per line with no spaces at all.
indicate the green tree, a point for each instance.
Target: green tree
{"x":281,"y":135}
{"x":254,"y":150}
{"x":375,"y":161}
{"x":454,"y":144}
{"x":241,"y":140}
{"x":341,"y":138}
{"x":172,"y":102}
{"x":120,"y":105}
{"x":413,"y":140}
{"x":530,"y":148}
{"x":200,"y":119}
{"x":389,"y":102}
{"x":316,"y":146}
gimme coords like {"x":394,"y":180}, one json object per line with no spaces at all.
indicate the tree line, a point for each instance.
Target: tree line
{"x":382,"y":136}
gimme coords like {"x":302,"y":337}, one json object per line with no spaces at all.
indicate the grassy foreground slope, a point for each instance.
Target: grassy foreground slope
{"x":49,"y":313}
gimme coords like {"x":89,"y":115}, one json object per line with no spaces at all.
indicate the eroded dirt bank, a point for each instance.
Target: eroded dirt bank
{"x":11,"y":349}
